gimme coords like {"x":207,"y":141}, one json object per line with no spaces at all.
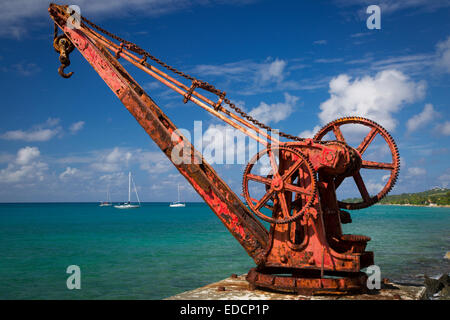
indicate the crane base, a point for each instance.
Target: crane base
{"x":307,"y":282}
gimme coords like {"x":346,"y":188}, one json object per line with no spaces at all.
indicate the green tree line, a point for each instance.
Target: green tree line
{"x":436,"y":196}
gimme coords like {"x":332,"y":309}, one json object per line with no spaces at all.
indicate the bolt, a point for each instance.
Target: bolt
{"x":330,"y":157}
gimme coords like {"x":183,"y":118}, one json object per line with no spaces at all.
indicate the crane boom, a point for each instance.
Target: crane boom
{"x":236,"y":217}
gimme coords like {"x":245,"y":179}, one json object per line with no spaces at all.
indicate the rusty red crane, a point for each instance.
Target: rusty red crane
{"x":304,"y":250}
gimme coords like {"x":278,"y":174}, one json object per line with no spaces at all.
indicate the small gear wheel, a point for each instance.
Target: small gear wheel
{"x":291,"y":184}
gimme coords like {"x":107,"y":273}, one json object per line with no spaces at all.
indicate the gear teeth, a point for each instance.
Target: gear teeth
{"x":246,"y":193}
{"x":392,"y":146}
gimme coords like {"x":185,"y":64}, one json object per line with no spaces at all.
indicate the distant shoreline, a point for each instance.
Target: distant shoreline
{"x":414,"y":205}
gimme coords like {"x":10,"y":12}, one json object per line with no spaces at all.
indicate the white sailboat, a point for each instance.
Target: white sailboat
{"x":177,"y":204}
{"x":128,"y":204}
{"x":106,"y":203}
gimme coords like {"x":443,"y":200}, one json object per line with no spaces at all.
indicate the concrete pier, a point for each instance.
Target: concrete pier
{"x":237,"y":288}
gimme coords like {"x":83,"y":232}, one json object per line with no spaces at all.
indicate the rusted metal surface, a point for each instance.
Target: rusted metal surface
{"x":306,"y":244}
{"x":307,"y":283}
{"x":393,"y":167}
{"x":238,"y":289}
{"x":304,"y":251}
{"x":64,"y":47}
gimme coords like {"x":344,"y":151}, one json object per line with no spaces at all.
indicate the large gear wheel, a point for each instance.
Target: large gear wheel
{"x":393,"y":167}
{"x":291,"y":184}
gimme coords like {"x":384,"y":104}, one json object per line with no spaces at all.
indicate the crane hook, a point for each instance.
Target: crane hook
{"x":64,"y":47}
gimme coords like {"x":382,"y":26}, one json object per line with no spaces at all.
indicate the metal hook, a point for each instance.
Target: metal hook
{"x":64,"y":47}
{"x":61,"y":72}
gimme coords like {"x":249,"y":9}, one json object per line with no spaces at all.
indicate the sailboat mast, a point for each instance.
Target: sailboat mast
{"x":129,"y":186}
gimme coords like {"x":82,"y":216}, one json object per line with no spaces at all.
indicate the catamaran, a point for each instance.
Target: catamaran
{"x":177,"y":204}
{"x":128,"y":204}
{"x":106,"y":203}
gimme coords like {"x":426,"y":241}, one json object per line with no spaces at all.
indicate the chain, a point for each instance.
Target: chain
{"x":200,"y":83}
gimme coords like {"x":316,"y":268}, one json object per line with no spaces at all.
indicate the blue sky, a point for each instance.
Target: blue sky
{"x":293,"y":64}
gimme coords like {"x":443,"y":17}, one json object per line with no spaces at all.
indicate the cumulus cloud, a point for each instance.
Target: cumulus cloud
{"x":77,"y":126}
{"x":120,"y":159}
{"x":26,"y":167}
{"x":273,"y":71}
{"x":275,"y":112}
{"x":309,"y":133}
{"x":421,"y":119}
{"x":111,"y":161}
{"x":376,"y":98}
{"x":224,"y":144}
{"x":25,"y":155}
{"x":68,"y":172}
{"x":153,"y":162}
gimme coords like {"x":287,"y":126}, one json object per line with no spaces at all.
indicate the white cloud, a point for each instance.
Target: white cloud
{"x":275,"y":112}
{"x":25,"y":69}
{"x":390,"y":6}
{"x":421,"y":119}
{"x":376,"y":98}
{"x":154,"y":162}
{"x":68,"y":172}
{"x":114,"y":160}
{"x":409,"y":64}
{"x":25,"y":155}
{"x":444,"y":128}
{"x":77,"y":126}
{"x":224,"y":144}
{"x":322,"y":42}
{"x":273,"y":71}
{"x":32,"y":135}
{"x":309,"y":133}
{"x":26,"y":167}
{"x":18,"y":15}
{"x":260,"y":73}
{"x":329,"y":60}
{"x":444,"y":178}
{"x":443,"y":55}
{"x":416,"y":171}
{"x":41,"y":132}
{"x":374,"y":187}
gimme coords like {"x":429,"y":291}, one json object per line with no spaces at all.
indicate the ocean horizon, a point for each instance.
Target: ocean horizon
{"x":155,"y":252}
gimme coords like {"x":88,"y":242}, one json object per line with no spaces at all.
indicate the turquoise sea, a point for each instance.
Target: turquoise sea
{"x":156,"y":251}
